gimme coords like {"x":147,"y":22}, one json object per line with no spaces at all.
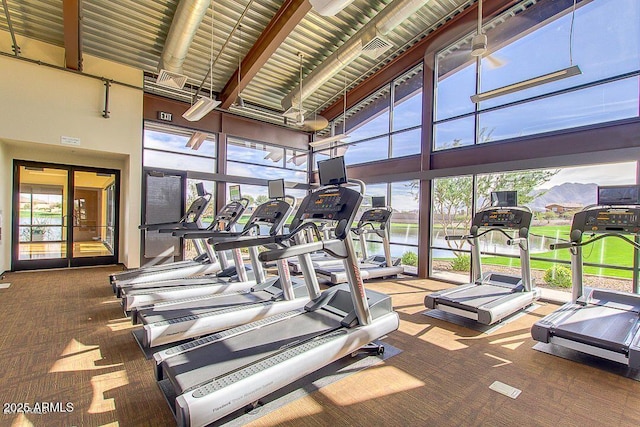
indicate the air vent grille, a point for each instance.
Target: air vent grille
{"x":172,"y":80}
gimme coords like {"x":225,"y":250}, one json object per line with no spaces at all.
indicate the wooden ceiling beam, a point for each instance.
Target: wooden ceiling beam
{"x":284,"y":21}
{"x":71,"y":11}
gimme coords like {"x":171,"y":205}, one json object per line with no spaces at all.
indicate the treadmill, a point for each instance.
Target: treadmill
{"x":373,"y":221}
{"x":178,"y":320}
{"x":189,"y":291}
{"x":492,"y":296}
{"x":215,"y":376}
{"x":600,"y":322}
{"x":190,"y":220}
{"x":209,"y":263}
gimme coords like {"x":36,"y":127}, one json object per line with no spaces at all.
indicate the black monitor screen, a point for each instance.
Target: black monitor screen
{"x":332,"y":171}
{"x":619,"y":195}
{"x":378,"y":202}
{"x":234,"y":193}
{"x":276,"y":189}
{"x":504,"y":198}
{"x":200,"y":189}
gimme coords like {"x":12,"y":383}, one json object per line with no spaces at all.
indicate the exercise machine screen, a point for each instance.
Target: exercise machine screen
{"x":332,"y":171}
{"x":276,"y":189}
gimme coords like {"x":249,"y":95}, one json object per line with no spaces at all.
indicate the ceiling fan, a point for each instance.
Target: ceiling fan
{"x":297,"y":112}
{"x":479,"y":43}
{"x":475,"y":48}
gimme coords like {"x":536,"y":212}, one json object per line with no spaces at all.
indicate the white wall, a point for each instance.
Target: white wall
{"x":41,"y":104}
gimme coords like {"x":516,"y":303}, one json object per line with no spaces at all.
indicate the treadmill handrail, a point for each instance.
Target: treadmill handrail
{"x":265,"y":240}
{"x":161,"y":225}
{"x":564,"y":245}
{"x":291,"y":251}
{"x":459,"y":237}
{"x":474,"y":236}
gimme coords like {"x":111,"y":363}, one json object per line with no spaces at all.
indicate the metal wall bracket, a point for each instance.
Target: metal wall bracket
{"x":105,"y":112}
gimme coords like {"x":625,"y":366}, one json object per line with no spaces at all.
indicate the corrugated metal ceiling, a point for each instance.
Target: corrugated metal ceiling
{"x":134,"y":32}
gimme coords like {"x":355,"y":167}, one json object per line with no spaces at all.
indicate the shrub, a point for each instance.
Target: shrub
{"x":559,"y":276}
{"x":410,"y":258}
{"x":461,"y":263}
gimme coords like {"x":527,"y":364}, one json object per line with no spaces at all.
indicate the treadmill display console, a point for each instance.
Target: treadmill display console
{"x":602,"y":220}
{"x":511,"y":218}
{"x":375,"y":215}
{"x":230,"y":210}
{"x":270,"y":211}
{"x":333,"y":204}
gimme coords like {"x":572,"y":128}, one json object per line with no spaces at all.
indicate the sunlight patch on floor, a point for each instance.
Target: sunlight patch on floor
{"x":79,"y":357}
{"x":513,"y":342}
{"x":501,"y":361}
{"x":21,"y":421}
{"x":121,"y":325}
{"x":443,"y":338}
{"x":389,"y":380}
{"x":76,"y":346}
{"x":101,"y":384}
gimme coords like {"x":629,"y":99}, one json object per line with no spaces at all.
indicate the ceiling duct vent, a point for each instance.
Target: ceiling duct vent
{"x":172,"y":80}
{"x":376,"y":47}
{"x":294,"y":113}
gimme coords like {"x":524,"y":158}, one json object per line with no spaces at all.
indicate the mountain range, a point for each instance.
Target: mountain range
{"x":567,"y":193}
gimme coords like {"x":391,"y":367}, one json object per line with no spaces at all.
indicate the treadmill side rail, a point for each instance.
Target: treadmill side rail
{"x":223,"y":396}
{"x":497,"y":310}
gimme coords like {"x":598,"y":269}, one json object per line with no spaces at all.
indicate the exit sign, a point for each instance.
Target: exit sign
{"x":164,"y":116}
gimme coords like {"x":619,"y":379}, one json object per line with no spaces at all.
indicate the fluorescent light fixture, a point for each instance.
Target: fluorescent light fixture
{"x":323,"y":141}
{"x":526,"y":84}
{"x":200,"y":108}
{"x":196,"y":140}
{"x":329,"y":7}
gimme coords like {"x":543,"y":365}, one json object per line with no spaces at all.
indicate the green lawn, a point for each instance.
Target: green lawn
{"x":609,"y":251}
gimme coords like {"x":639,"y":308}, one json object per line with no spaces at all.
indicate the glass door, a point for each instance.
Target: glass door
{"x":42,"y":212}
{"x":93,"y":218}
{"x":65,"y":216}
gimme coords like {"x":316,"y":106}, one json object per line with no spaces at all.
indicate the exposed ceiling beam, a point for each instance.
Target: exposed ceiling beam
{"x":285,"y":20}
{"x":71,"y":11}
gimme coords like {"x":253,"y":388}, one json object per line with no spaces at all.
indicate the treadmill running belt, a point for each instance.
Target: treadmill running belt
{"x":601,"y":326}
{"x":166,"y":312}
{"x":191,"y":369}
{"x":475,"y":296}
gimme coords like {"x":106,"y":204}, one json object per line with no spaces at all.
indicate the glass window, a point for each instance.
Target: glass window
{"x":297,"y":159}
{"x":176,"y":141}
{"x":533,"y":42}
{"x":168,"y":148}
{"x":175,"y":161}
{"x":547,"y":49}
{"x":602,"y":103}
{"x":319,"y":156}
{"x":254,"y":152}
{"x":265,"y":172}
{"x":259,"y":160}
{"x":367,"y":151}
{"x":407,"y":103}
{"x":554,"y":196}
{"x":451,"y":210}
{"x":369,"y":118}
{"x":406,"y":143}
{"x":455,"y":84}
{"x":454,"y":133}
{"x":406,"y":206}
